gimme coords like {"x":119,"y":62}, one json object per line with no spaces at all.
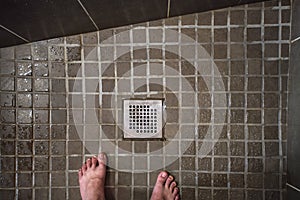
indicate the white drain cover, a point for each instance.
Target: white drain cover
{"x":143,"y":118}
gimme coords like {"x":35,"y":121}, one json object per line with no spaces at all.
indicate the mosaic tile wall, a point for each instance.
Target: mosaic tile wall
{"x":61,"y":102}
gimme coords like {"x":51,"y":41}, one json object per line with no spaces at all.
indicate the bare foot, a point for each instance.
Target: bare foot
{"x":92,"y":178}
{"x":165,"y":188}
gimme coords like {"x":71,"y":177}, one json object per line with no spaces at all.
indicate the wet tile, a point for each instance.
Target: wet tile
{"x":7,"y":99}
{"x":254,"y":149}
{"x":220,"y":194}
{"x":24,"y":84}
{"x":41,"y":85}
{"x":8,"y":147}
{"x":41,"y":179}
{"x":237,"y":84}
{"x":39,"y":51}
{"x":7,"y":116}
{"x":24,"y":116}
{"x":41,"y":69}
{"x":24,"y":100}
{"x":41,"y":116}
{"x":24,"y":68}
{"x":41,"y":147}
{"x":7,"y":68}
{"x":73,"y":53}
{"x":41,"y":132}
{"x":23,"y":52}
{"x":7,"y":53}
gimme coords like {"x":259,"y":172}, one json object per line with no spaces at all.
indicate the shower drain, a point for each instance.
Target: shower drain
{"x":142,"y":118}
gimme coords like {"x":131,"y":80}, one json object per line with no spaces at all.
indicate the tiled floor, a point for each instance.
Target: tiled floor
{"x":223,"y":76}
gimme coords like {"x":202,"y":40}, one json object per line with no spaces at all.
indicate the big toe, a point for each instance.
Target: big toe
{"x":102,"y":159}
{"x":162,"y":177}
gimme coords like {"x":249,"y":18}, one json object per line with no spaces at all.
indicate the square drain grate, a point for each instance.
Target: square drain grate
{"x":143,"y":118}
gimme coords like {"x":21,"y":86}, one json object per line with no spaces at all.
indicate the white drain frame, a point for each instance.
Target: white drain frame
{"x":142,"y":118}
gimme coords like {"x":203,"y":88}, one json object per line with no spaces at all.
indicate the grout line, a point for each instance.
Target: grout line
{"x":280,"y":102}
{"x":293,"y":187}
{"x":262,"y":97}
{"x":168,"y":10}
{"x":15,"y":34}
{"x":88,"y":14}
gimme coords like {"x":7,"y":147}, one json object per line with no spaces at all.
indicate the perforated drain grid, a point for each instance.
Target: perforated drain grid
{"x":142,"y":118}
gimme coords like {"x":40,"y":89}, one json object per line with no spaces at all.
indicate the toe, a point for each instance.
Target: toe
{"x":94,"y":162}
{"x":162,"y":177}
{"x":102,"y":159}
{"x":83,"y":168}
{"x":80,"y":174}
{"x":175,"y":191}
{"x":173,"y":185}
{"x":169,"y":181}
{"x":88,"y":163}
{"x":177,"y":197}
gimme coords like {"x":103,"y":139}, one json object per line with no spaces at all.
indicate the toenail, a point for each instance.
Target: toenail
{"x":163,"y":175}
{"x":170,"y":177}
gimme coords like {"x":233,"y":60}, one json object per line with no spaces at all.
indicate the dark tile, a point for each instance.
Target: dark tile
{"x":58,"y":85}
{"x":140,"y":179}
{"x":124,"y":193}
{"x":74,"y":147}
{"x":220,"y":148}
{"x":255,"y":165}
{"x":41,"y":163}
{"x":204,"y":164}
{"x":220,"y":164}
{"x":204,"y":179}
{"x":255,"y":194}
{"x":220,"y":180}
{"x":254,"y":149}
{"x":204,"y":194}
{"x":271,"y":181}
{"x":272,"y":148}
{"x":187,"y":193}
{"x":220,"y":18}
{"x":220,"y":194}
{"x":134,"y":12}
{"x":140,"y":193}
{"x":25,"y":193}
{"x":237,"y":164}
{"x":253,"y":34}
{"x":292,"y":193}
{"x":41,"y":147}
{"x":57,"y":193}
{"x":254,"y":116}
{"x":24,"y":163}
{"x":58,"y":163}
{"x":236,"y":180}
{"x":8,"y":164}
{"x":237,"y":17}
{"x":41,"y":179}
{"x":42,"y":193}
{"x":188,"y":163}
{"x":254,"y":181}
{"x":237,"y":132}
{"x":254,"y":51}
{"x":237,"y":148}
{"x":60,"y":18}
{"x":58,"y":179}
